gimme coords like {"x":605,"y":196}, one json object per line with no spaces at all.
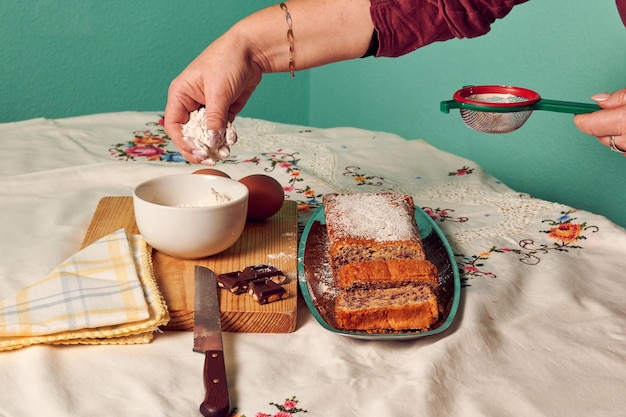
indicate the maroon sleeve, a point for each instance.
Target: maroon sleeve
{"x":621,"y":8}
{"x":406,"y":25}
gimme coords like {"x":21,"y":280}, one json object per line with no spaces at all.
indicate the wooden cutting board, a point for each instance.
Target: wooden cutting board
{"x":273,"y":241}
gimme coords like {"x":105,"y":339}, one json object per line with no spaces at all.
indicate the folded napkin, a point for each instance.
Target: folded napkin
{"x":104,"y":294}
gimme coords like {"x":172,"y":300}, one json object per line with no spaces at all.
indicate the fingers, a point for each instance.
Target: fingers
{"x":190,"y":133}
{"x":183,"y":97}
{"x":615,"y":143}
{"x":603,"y":122}
{"x":612,"y":100}
{"x":609,"y":124}
{"x":203,"y":145}
{"x":179,"y":105}
{"x":206,"y":139}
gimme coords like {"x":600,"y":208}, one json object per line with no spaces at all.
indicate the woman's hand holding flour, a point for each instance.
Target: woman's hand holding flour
{"x":285,"y":37}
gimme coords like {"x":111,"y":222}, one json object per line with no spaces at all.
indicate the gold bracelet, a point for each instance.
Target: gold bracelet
{"x":292,"y":62}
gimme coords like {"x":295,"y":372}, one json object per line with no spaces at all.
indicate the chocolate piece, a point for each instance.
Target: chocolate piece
{"x":265,"y":271}
{"x":236,"y":282}
{"x":266,"y":291}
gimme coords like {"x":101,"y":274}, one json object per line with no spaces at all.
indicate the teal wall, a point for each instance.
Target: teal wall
{"x":79,"y":57}
{"x":75,"y":57}
{"x":564,"y":49}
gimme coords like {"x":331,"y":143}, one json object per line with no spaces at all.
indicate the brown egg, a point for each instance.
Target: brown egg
{"x":266,"y":196}
{"x":209,"y":171}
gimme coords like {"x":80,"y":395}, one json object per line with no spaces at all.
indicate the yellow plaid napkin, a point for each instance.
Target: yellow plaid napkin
{"x":104,"y":294}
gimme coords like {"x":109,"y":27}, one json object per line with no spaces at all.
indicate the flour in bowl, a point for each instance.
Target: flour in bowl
{"x":214,"y":198}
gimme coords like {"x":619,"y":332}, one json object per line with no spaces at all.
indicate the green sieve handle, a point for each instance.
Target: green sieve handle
{"x":542,"y":104}
{"x":445,"y":106}
{"x":565,"y":106}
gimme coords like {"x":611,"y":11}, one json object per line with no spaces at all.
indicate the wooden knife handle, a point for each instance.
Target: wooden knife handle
{"x":216,"y":402}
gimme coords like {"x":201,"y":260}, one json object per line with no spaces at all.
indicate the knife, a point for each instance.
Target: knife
{"x":207,"y":339}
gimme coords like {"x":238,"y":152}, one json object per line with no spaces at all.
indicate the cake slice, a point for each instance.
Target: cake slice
{"x":367,"y":274}
{"x":394,"y":309}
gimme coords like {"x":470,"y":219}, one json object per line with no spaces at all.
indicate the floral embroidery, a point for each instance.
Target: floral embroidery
{"x":460,"y":172}
{"x":362,"y":179}
{"x":442,"y":215}
{"x":563,"y":231}
{"x":288,"y":162}
{"x":287,"y":408}
{"x":254,"y":160}
{"x":311,"y":198}
{"x":149,"y":144}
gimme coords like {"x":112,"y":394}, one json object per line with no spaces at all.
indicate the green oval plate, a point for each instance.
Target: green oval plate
{"x":316,"y":282}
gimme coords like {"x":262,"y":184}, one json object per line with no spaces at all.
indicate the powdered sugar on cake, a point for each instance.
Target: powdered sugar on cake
{"x":361,"y":216}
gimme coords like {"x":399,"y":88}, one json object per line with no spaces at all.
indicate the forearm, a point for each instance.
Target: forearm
{"x":325,"y":31}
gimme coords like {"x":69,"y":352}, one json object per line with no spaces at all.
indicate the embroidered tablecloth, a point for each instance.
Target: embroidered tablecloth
{"x":541,"y":326}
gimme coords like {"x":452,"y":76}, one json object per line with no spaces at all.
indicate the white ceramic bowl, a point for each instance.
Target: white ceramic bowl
{"x":174,"y":214}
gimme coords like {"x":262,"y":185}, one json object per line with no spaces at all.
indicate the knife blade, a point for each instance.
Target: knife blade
{"x":207,"y":339}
